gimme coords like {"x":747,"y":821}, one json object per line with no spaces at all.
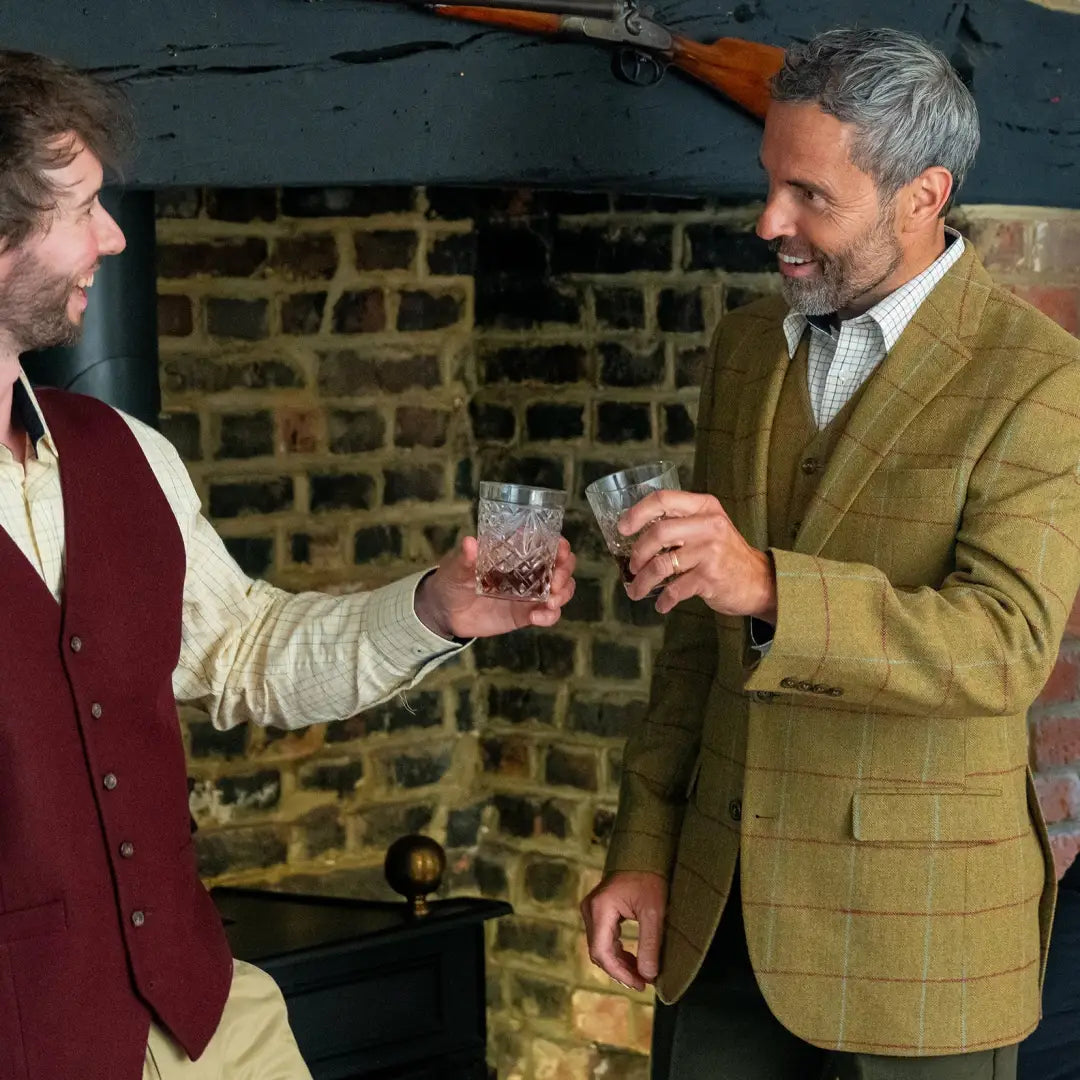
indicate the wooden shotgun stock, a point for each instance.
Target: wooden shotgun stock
{"x":738,"y":69}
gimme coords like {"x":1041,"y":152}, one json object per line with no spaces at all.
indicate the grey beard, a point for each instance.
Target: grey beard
{"x":810,"y":297}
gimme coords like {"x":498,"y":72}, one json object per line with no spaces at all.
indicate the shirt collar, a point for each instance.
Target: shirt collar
{"x":25,"y":408}
{"x":890,"y":316}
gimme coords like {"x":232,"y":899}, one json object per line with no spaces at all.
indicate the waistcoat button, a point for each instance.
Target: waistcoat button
{"x":763,"y":695}
{"x":110,"y":781}
{"x":137,"y":918}
{"x":95,"y":710}
{"x":127,"y":849}
{"x":810,"y":466}
{"x":735,"y":809}
{"x":76,"y":643}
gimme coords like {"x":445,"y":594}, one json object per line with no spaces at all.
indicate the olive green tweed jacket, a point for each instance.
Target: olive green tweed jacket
{"x":871,"y":772}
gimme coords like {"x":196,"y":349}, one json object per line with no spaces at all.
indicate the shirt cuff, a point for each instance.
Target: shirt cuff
{"x":761,"y":636}
{"x":398,"y":633}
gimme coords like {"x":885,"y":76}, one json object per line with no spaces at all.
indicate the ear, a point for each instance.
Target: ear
{"x":925,"y":197}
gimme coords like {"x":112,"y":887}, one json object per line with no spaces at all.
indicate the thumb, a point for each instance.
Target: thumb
{"x":648,"y":953}
{"x":469,"y":549}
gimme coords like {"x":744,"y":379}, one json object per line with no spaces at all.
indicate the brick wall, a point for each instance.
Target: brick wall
{"x":339,"y":368}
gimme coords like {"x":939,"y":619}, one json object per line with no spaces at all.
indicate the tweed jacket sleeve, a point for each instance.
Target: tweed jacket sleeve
{"x":939,"y":560}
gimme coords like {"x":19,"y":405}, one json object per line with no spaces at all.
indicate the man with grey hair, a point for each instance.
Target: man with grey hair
{"x":827,"y":832}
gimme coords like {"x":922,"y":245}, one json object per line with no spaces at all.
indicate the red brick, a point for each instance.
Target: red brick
{"x":1066,"y":847}
{"x":1059,"y":302}
{"x":1060,"y":247}
{"x":1064,"y":682}
{"x":551,"y":1061}
{"x":1072,"y":627}
{"x":1000,"y":244}
{"x":1059,"y":797}
{"x":603,"y":1018}
{"x":300,"y":430}
{"x":1055,"y":740}
{"x":642,"y":1016}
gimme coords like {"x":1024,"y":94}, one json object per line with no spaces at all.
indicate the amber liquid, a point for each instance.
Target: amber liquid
{"x":525,"y":582}
{"x":623,"y":563}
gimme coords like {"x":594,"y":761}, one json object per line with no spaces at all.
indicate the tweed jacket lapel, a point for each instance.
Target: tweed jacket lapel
{"x":758,"y":398}
{"x":928,"y":354}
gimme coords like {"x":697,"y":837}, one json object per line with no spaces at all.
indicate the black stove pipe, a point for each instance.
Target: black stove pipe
{"x":117,"y":358}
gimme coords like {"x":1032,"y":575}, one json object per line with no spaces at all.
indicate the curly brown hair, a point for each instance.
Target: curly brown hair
{"x":45,"y":105}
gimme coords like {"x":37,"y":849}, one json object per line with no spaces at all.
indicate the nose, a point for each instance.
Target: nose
{"x":775,"y":220}
{"x":110,"y":236}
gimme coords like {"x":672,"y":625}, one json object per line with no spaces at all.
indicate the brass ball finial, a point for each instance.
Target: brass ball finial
{"x":414,"y":867}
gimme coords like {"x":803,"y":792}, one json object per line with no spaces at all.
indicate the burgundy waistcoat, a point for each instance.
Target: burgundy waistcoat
{"x":103,"y":921}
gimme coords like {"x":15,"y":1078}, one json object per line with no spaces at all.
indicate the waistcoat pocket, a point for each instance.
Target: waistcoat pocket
{"x":38,"y":921}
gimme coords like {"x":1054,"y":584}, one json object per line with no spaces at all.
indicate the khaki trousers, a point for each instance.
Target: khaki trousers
{"x":252,"y":1042}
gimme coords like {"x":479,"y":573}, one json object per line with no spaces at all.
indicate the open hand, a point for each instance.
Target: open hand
{"x":448,"y":604}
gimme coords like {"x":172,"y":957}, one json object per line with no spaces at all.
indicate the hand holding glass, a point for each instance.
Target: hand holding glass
{"x":612,"y":495}
{"x":518,"y":530}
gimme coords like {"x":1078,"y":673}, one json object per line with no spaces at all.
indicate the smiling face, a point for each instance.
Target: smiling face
{"x":838,"y":244}
{"x":44,"y":280}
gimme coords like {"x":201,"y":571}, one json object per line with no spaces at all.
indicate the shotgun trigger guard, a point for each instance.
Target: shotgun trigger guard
{"x":637,"y":68}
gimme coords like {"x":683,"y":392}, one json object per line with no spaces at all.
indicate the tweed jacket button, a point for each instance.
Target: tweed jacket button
{"x":835,"y":691}
{"x":109,"y":781}
{"x":806,"y":687}
{"x":820,"y":689}
{"x":734,"y":808}
{"x":810,"y":466}
{"x":75,"y":643}
{"x":138,"y":918}
{"x":789,"y":683}
{"x":763,"y":695}
{"x":95,"y":710}
{"x":127,"y":849}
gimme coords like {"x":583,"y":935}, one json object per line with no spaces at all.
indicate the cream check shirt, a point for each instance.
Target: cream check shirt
{"x":249,"y":651}
{"x":841,"y":359}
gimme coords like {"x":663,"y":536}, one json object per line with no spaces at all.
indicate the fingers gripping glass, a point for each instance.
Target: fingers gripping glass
{"x":612,"y":495}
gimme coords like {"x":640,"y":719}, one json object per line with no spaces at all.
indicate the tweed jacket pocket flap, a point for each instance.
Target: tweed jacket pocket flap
{"x":973,"y":816}
{"x":912,"y":483}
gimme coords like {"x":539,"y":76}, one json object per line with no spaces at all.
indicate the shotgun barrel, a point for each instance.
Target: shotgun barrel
{"x":740,"y":70}
{"x":611,"y":10}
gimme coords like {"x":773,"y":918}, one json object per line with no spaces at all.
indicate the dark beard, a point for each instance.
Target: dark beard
{"x":848,"y":274}
{"x":33,"y":307}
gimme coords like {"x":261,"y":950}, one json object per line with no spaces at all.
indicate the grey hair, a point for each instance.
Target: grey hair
{"x":909,"y":108}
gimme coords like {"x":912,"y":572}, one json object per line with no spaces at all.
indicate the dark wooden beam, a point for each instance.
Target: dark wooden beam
{"x":341,"y":92}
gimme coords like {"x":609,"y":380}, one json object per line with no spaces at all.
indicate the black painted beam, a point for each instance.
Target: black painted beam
{"x":339,"y":92}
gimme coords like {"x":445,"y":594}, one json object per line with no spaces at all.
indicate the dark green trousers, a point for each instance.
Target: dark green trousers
{"x":722,"y":1029}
